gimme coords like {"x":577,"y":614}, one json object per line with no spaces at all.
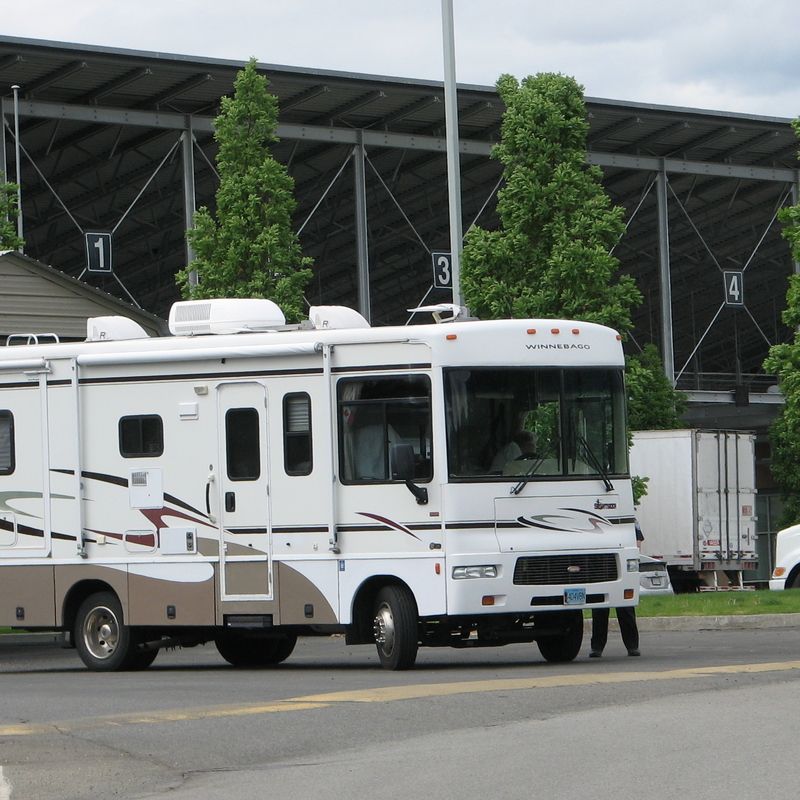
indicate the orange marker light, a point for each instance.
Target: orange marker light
{"x":451,"y":336}
{"x":628,"y":594}
{"x":487,"y":600}
{"x":437,"y":567}
{"x":531,"y":330}
{"x":554,"y":330}
{"x":576,"y":330}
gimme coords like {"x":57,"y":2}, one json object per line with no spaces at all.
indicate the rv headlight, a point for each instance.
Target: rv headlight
{"x":633,"y":565}
{"x":486,"y":571}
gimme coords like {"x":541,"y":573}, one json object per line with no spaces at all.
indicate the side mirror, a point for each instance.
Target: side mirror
{"x":402,"y":464}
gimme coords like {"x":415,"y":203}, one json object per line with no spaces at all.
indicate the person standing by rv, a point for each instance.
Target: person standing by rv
{"x":626,"y":616}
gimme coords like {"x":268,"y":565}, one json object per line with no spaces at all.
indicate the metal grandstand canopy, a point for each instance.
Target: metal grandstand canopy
{"x":122,"y":140}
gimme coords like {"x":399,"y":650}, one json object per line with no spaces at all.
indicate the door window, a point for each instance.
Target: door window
{"x":242,"y":444}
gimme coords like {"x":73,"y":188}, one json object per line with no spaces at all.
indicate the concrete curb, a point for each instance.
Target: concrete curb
{"x":730,"y":622}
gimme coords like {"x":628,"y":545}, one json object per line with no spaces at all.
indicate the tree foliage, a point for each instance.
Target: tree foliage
{"x":8,"y":215}
{"x":552,"y":255}
{"x":653,"y":404}
{"x":784,"y":361}
{"x":249,"y":249}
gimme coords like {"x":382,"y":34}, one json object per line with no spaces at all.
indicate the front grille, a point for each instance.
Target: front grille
{"x":551,"y":570}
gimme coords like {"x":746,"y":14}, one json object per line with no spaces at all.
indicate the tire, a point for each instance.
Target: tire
{"x":566,"y":645}
{"x":103,"y":641}
{"x":243,"y":651}
{"x":395,"y":628}
{"x":143,"y":660}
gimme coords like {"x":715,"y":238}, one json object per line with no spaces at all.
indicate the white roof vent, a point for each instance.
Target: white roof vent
{"x":192,"y":317}
{"x":336,"y":317}
{"x":102,"y":329}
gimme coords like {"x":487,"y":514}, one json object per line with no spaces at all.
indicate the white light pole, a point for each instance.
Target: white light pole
{"x":453,"y":163}
{"x":15,"y":89}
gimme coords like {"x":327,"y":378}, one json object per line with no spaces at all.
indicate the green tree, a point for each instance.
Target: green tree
{"x":653,"y":404}
{"x":249,"y":250}
{"x":784,"y":361}
{"x":551,"y":256}
{"x":8,"y":215}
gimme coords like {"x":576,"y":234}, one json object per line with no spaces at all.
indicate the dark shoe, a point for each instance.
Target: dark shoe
{"x":634,"y":652}
{"x":597,"y":653}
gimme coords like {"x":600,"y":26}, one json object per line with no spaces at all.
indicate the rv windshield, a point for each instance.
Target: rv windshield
{"x":530,"y":424}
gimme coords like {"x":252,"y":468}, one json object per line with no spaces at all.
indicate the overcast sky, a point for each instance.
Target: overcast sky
{"x":725,"y":55}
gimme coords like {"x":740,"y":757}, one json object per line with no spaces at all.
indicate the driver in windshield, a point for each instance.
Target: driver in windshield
{"x":523,"y":443}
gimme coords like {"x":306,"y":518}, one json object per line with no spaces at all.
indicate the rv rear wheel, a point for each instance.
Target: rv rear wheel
{"x":565,"y":645}
{"x":395,"y":627}
{"x":241,"y":651}
{"x":103,"y":641}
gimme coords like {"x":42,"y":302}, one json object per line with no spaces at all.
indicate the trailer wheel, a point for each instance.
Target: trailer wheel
{"x":395,"y":628}
{"x":103,"y":641}
{"x":241,"y":651}
{"x":566,"y":645}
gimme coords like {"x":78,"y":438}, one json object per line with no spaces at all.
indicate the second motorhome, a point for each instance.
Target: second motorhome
{"x":244,"y":482}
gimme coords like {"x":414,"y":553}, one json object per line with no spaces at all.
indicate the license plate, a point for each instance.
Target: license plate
{"x":574,"y":597}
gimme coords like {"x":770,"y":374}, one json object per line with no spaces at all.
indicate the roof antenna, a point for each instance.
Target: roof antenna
{"x":441,"y":308}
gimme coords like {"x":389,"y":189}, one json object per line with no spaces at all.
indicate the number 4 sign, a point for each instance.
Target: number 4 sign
{"x":734,"y":288}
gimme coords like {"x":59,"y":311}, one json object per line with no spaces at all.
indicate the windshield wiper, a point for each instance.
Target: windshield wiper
{"x":529,"y":472}
{"x":594,"y":461}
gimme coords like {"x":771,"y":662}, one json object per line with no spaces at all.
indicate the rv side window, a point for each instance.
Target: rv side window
{"x":6,"y":442}
{"x":380,"y":421}
{"x":242,"y":447}
{"x":141,"y":436}
{"x":297,"y":433}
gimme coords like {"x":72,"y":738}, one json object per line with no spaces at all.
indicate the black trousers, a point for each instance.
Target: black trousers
{"x":626,"y":616}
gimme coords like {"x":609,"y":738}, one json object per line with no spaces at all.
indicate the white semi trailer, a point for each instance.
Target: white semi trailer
{"x":699,"y":512}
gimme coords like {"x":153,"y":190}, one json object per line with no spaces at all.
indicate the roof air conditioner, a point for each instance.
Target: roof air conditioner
{"x":336,"y":317}
{"x":192,"y":317}
{"x":101,"y":329}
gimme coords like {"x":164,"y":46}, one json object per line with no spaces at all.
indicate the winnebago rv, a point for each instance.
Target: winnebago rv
{"x":245,"y":482}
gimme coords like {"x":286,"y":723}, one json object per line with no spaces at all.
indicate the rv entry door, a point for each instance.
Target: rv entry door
{"x":242,"y":481}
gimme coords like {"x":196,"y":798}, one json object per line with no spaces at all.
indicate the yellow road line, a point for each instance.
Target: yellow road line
{"x":385,"y":695}
{"x":505,"y":684}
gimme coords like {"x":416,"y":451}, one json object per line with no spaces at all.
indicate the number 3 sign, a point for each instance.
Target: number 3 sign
{"x":442,"y":271}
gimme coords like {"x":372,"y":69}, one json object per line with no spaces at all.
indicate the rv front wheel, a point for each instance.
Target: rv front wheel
{"x":395,"y":627}
{"x":103,"y":641}
{"x":565,"y":645}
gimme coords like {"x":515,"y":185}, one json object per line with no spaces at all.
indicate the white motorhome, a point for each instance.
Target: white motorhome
{"x":246,"y":482}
